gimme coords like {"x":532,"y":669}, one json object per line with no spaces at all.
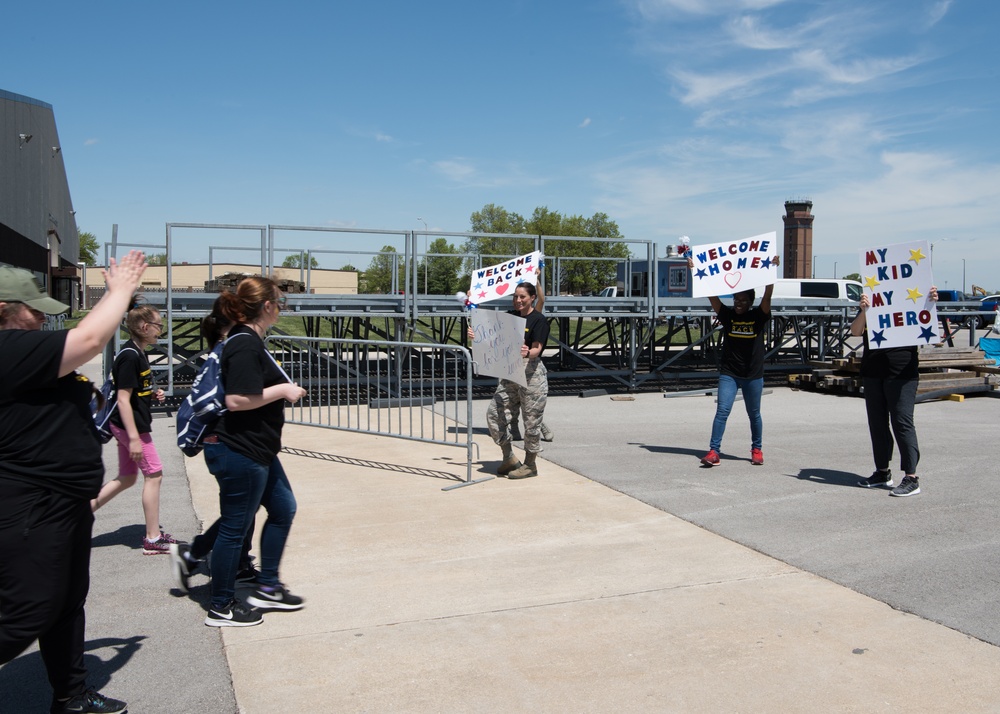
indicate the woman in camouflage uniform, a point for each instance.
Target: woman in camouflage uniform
{"x":511,"y":398}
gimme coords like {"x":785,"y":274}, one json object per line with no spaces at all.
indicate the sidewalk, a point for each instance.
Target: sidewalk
{"x":550,"y":594}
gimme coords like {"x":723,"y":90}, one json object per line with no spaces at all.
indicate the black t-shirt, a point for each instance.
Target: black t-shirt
{"x":536,"y":328}
{"x":131,"y":371}
{"x":47,"y":433}
{"x":247,"y":369}
{"x":743,"y":342}
{"x":890,"y":363}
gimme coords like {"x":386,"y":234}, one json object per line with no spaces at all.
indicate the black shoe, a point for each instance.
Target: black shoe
{"x":236,"y":614}
{"x":247,"y":575}
{"x":90,"y":701}
{"x":878,"y":478}
{"x":909,"y":486}
{"x":276,"y":598}
{"x":182,"y":564}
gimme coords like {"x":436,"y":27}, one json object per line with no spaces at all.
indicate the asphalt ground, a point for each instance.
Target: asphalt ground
{"x":625,"y":577}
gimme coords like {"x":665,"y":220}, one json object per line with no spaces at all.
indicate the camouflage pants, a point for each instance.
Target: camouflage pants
{"x":511,"y":398}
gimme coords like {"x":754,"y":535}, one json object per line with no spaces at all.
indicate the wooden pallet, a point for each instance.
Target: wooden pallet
{"x":944,"y":371}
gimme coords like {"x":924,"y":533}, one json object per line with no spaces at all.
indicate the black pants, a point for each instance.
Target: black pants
{"x":203,"y":544}
{"x":890,"y":402}
{"x":44,"y":579}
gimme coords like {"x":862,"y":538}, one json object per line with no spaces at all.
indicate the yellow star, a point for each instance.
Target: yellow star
{"x":871,"y":282}
{"x":917,"y":255}
{"x":913,"y":294}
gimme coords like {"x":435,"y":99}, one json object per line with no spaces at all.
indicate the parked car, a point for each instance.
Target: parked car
{"x":990,"y":303}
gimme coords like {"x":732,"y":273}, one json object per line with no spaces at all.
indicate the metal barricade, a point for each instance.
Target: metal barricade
{"x":408,"y":390}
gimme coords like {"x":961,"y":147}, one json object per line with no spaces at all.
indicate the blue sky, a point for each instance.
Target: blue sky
{"x":674,"y":117}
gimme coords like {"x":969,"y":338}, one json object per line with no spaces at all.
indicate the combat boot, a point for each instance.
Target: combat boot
{"x":527,"y":470}
{"x":510,"y":464}
{"x":547,"y":434}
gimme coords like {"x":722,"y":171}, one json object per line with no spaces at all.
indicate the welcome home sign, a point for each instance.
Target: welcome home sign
{"x":734,"y":266}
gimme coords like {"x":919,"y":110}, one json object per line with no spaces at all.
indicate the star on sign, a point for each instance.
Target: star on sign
{"x":877,"y":337}
{"x":529,"y":269}
{"x":927,"y":333}
{"x":701,"y":273}
{"x":766,"y":263}
{"x":917,"y":255}
{"x":479,"y":286}
{"x":871,"y":282}
{"x":913,"y":294}
{"x":482,"y":294}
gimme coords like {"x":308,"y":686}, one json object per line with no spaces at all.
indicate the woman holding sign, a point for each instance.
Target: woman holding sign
{"x":510,"y":397}
{"x":742,"y":366}
{"x":890,"y":378}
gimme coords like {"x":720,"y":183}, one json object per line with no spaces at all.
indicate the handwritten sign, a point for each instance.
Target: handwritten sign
{"x":734,"y":266}
{"x":897,"y":279}
{"x":496,"y":346}
{"x":498,"y":281}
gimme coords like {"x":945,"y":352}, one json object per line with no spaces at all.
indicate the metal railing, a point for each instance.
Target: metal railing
{"x":407,"y":390}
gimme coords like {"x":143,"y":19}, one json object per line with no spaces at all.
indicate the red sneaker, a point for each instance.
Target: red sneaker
{"x":711,"y":459}
{"x":756,"y":457}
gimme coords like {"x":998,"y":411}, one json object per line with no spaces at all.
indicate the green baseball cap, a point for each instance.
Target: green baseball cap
{"x":18,"y":285}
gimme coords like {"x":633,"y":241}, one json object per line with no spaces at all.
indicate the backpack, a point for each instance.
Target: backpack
{"x":202,"y":408}
{"x":106,"y":405}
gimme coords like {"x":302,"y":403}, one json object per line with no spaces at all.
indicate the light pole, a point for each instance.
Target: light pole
{"x":835,"y":270}
{"x":963,"y":277}
{"x":426,"y":248}
{"x":814,"y":268}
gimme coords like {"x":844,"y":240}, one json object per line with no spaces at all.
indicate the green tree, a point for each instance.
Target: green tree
{"x":348,"y":267}
{"x":378,"y":276}
{"x":295,"y":261}
{"x":440,"y":271}
{"x":88,"y":248}
{"x":853,"y":276}
{"x":598,"y":262}
{"x":156,"y":259}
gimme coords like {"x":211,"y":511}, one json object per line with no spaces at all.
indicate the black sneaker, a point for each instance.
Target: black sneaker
{"x":247,"y":575}
{"x":236,"y":614}
{"x":90,"y":701}
{"x":276,"y":598}
{"x":909,"y":486}
{"x":182,"y":564}
{"x":878,"y":478}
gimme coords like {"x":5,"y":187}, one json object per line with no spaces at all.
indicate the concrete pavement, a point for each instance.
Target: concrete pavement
{"x":556,"y":593}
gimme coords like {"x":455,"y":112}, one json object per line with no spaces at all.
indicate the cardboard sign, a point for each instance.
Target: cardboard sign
{"x":897,"y":280}
{"x":499,"y":281}
{"x":734,"y":266}
{"x":496,"y":345}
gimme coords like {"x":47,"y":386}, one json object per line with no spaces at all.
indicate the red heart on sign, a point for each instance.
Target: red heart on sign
{"x":502,"y":288}
{"x":733,"y":279}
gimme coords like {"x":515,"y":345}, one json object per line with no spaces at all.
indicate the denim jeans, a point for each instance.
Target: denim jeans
{"x":752,"y":389}
{"x":244,"y":486}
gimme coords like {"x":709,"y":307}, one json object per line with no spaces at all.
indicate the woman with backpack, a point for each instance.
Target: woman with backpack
{"x":132,"y":425}
{"x":242,"y":454}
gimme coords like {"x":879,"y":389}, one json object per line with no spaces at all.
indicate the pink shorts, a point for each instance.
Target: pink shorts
{"x":148,"y":464}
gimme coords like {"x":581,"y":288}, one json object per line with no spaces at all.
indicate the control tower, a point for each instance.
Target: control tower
{"x":797,"y":259}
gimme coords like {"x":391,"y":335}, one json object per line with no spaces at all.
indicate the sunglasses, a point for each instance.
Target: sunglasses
{"x":282,"y":301}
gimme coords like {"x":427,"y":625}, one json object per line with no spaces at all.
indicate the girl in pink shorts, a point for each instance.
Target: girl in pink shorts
{"x":131,"y":425}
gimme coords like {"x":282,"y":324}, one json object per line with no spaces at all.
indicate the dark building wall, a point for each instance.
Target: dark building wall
{"x":36,"y":211}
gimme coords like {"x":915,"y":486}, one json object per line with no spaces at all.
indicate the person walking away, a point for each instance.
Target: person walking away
{"x":242,"y":454}
{"x":742,"y":366}
{"x":50,"y":469}
{"x":132,"y":425}
{"x":890,"y":377}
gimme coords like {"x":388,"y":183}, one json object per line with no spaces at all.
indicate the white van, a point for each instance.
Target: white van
{"x":817,"y":288}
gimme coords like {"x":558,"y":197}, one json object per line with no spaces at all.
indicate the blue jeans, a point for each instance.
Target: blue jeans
{"x":244,"y":486}
{"x":752,"y":389}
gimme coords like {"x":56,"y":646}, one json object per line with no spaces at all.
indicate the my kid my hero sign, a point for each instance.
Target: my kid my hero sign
{"x":733,"y":266}
{"x":499,"y":281}
{"x":897,"y":280}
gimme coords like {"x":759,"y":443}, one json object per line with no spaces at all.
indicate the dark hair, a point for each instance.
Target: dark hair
{"x":241,"y":307}
{"x":529,"y":288}
{"x":751,"y":291}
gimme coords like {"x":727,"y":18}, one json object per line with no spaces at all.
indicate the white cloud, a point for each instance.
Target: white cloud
{"x":585,"y":123}
{"x":379,"y":136}
{"x":937,"y":12}
{"x":464,"y":172}
{"x":458,"y":170}
{"x":91,"y":142}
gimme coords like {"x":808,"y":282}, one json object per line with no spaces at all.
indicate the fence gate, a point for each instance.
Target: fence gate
{"x":408,"y":390}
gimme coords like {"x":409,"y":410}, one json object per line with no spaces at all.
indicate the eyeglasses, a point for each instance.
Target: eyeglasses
{"x":157,"y":325}
{"x":282,"y":301}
